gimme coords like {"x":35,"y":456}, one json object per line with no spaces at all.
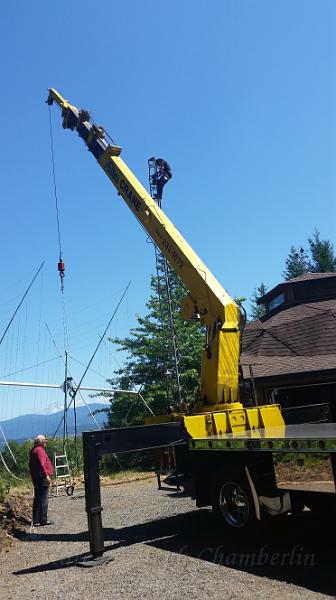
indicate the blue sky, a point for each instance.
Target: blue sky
{"x":238,"y":96}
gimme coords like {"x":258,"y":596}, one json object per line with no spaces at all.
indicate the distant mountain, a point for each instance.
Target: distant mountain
{"x":29,"y":426}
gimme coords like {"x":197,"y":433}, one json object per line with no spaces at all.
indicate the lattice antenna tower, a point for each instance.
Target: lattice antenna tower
{"x":164,"y":282}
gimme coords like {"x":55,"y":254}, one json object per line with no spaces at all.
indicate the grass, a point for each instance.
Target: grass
{"x":13,"y":487}
{"x":124,"y":476}
{"x":16,"y":489}
{"x":118,"y":477}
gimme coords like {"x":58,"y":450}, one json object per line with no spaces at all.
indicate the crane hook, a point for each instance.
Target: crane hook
{"x":61,"y":270}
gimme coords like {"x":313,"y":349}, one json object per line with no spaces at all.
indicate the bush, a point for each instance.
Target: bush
{"x":136,"y":461}
{"x":3,"y":490}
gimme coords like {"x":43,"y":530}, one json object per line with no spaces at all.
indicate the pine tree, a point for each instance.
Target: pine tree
{"x":296,"y":263}
{"x":256,"y":310}
{"x":323,"y":259}
{"x":149,"y":353}
{"x":319,"y":259}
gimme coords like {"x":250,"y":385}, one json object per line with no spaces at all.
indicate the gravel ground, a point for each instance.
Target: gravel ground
{"x":163,"y":547}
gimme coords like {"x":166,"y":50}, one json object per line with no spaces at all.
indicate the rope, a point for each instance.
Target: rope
{"x":102,"y":337}
{"x":105,"y":377}
{"x":8,"y":446}
{"x":90,"y":361}
{"x":54,"y":180}
{"x":38,"y":339}
{"x":61,"y":272}
{"x":20,"y":303}
{"x":94,"y":354}
{"x":65,"y":324}
{"x":29,"y":368}
{"x":8,"y":469}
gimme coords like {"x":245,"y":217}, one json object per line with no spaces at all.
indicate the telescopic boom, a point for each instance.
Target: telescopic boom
{"x":207,"y":298}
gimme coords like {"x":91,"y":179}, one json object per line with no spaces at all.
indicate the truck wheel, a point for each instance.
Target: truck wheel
{"x":233,"y":502}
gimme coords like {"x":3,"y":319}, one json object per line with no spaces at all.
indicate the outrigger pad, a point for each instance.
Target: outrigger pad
{"x":93,"y":561}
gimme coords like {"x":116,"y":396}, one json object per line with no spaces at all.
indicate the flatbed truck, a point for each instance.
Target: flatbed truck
{"x":237,"y":459}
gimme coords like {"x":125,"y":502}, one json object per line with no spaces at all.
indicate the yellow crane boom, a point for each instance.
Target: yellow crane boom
{"x":219,"y":378}
{"x":219,"y":390}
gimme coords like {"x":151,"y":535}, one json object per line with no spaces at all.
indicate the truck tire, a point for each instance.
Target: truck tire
{"x":233,"y":502}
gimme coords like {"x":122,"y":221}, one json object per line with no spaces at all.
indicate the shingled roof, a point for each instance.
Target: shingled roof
{"x":271,"y":368}
{"x":309,"y":286}
{"x":299,"y":339}
{"x":308,"y":277}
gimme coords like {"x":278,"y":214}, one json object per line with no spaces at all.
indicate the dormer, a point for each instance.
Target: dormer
{"x":310,"y":287}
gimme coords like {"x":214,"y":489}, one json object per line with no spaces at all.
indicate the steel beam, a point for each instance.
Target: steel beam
{"x":111,"y":441}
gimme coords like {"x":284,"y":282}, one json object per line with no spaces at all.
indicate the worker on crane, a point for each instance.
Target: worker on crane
{"x":162,"y":175}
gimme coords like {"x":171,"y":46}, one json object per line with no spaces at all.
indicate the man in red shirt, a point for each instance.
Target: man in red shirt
{"x":41,"y":471}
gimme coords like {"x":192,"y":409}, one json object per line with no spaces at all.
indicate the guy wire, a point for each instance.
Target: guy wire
{"x":54,"y":180}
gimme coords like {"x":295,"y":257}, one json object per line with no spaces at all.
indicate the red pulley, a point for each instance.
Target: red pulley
{"x":61,"y":267}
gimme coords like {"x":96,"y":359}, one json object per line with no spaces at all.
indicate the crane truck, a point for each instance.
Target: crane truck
{"x":230,"y":452}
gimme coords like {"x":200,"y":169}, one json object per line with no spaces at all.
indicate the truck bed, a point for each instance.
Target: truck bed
{"x":316,"y":437}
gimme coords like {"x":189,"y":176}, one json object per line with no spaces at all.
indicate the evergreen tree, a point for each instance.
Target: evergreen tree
{"x":296,"y":263}
{"x":257,"y":310}
{"x":149,"y":354}
{"x":320,"y":258}
{"x":323,"y":259}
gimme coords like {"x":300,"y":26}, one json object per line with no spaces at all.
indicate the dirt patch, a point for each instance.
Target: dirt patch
{"x":123,"y":477}
{"x":15,"y":518}
{"x":298,"y":470}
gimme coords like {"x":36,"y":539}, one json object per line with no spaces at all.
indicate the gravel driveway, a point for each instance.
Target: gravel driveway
{"x":165,"y":548}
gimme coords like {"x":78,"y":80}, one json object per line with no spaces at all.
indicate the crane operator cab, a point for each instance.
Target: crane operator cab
{"x":160,"y":175}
